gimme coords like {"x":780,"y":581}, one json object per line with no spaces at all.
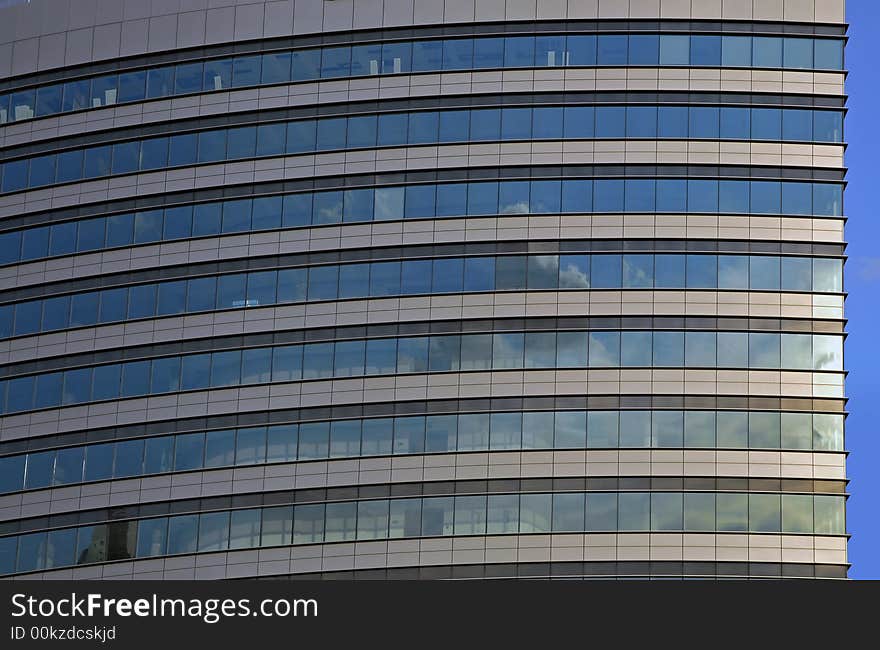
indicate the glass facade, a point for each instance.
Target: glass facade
{"x":530,"y":281}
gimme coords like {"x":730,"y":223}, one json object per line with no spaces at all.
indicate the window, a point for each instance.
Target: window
{"x":568,"y":512}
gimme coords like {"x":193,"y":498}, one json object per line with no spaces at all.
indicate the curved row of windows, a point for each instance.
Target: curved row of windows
{"x":493,"y":514}
{"x":422,"y":56}
{"x":443,"y":353}
{"x":284,"y":443}
{"x":422,"y":128}
{"x":425,"y":201}
{"x":420,"y":277}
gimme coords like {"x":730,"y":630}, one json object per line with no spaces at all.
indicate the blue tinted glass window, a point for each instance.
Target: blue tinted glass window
{"x":206,"y":219}
{"x":639,"y":195}
{"x":733,"y":272}
{"x":485,"y":124}
{"x":354,"y":281}
{"x":579,"y":122}
{"x":48,"y":390}
{"x":638,"y":271}
{"x":10,"y":246}
{"x":153,"y":153}
{"x":275,"y":68}
{"x":448,"y":275}
{"x":271,"y":139}
{"x":188,"y":78}
{"x":510,"y":273}
{"x":797,"y":198}
{"x":671,"y":195}
{"x":764,"y":273}
{"x":827,"y":199}
{"x":702,"y":271}
{"x":644,"y":49}
{"x":766,"y":123}
{"x":604,"y":349}
{"x":797,"y":53}
{"x":331,"y":133}
{"x":183,"y":149}
{"x":797,"y":124}
{"x":306,"y":65}
{"x":612,"y":49}
{"x":547,"y":122}
{"x":513,"y":199}
{"x":135,"y":378}
{"x":427,"y":56}
{"x":519,"y":51}
{"x":736,"y":51}
{"x":827,"y":126}
{"x":735,"y":123}
{"x":212,"y":145}
{"x":31,"y":552}
{"x":107,"y":381}
{"x":34,"y":243}
{"x":423,"y":127}
{"x":348,"y":359}
{"x":454,"y":126}
{"x":605,"y":271}
{"x":702,"y":196}
{"x":610,"y":122}
{"x":416,"y":277}
{"x":296,"y":210}
{"x":160,"y":82}
{"x":322,"y":283}
{"x":15,"y":175}
{"x":19,"y":394}
{"x":246,"y":70}
{"x":703,"y":122}
{"x":641,"y":122}
{"x":577,"y":196}
{"x":516,"y":123}
{"x":488,"y":53}
{"x":581,"y":50}
{"x":68,"y":166}
{"x":129,"y":458}
{"x":766,"y":52}
{"x":165,"y":374}
{"x":99,"y":462}
{"x":765,"y":197}
{"x":828,"y":54}
{"x":27,"y":317}
{"x":733,"y":197}
{"x":63,"y":240}
{"x":48,"y":100}
{"x":84,"y":309}
{"x":545,"y":196}
{"x":668,"y":349}
{"x":574,"y":272}
{"x":452,"y":199}
{"x":385,"y":279}
{"x":669,"y":271}
{"x":674,"y":50}
{"x":327,"y":208}
{"x":672,"y":121}
{"x":69,"y":466}
{"x":266,"y":213}
{"x":479,"y":274}
{"x":182,"y":534}
{"x":764,"y":350}
{"x":549,"y":51}
{"x":314,"y":440}
{"x":189,"y":450}
{"x":458,"y":54}
{"x":335,"y":62}
{"x":55,"y":312}
{"x":40,"y":466}
{"x":42,"y":171}
{"x":419,"y":201}
{"x":236,"y":216}
{"x":103,"y":91}
{"x":90,"y":234}
{"x":218,"y":74}
{"x":636,"y":349}
{"x":148,"y":226}
{"x":76,"y":95}
{"x":706,"y":50}
{"x":231,"y":291}
{"x":301,"y":136}
{"x":241,"y":143}
{"x":391,"y":129}
{"x":608,"y":195}
{"x":287,"y":363}
{"x":396,"y":58}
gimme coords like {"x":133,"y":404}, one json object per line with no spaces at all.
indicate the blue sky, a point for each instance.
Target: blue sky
{"x":863,"y":284}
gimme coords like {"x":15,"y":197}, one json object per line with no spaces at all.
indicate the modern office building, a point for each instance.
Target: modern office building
{"x":422,"y":288}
